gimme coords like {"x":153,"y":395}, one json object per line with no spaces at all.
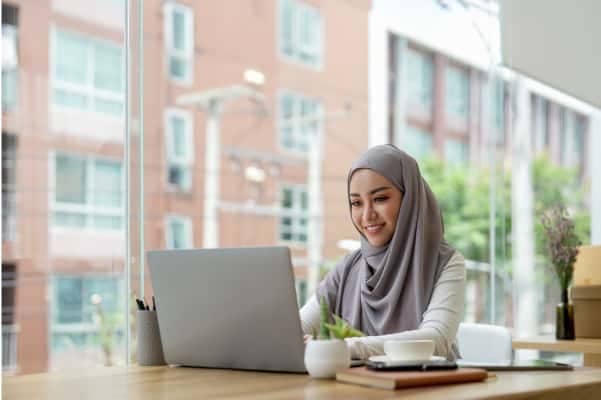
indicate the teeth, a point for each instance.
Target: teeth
{"x":373,"y":228}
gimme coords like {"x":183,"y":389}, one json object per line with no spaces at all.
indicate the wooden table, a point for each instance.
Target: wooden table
{"x":147,"y":383}
{"x":591,"y":348}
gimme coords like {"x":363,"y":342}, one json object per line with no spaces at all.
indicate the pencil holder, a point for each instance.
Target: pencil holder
{"x":150,"y":348}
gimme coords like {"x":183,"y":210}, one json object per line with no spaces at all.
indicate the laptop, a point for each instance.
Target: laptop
{"x":228,"y":308}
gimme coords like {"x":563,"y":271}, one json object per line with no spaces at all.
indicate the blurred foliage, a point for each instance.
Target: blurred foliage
{"x":464,"y":196}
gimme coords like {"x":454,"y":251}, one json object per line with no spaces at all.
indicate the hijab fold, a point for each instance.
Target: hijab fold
{"x":382,"y":290}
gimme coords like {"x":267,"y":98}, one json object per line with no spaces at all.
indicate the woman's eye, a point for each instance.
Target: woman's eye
{"x":355,"y":204}
{"x":381,"y":199}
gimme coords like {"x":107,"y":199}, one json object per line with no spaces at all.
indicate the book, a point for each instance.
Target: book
{"x":405,"y":379}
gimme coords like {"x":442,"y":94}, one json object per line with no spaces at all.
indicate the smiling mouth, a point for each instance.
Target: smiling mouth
{"x":372,"y":229}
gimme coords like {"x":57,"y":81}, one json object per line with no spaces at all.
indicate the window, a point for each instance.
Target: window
{"x":301,"y":292}
{"x":73,"y":322}
{"x":420,"y":75}
{"x":88,"y":193}
{"x":572,"y":136}
{"x":456,"y":152}
{"x":179,"y":41}
{"x":301,"y":32}
{"x":457,"y":93}
{"x":10,"y":65}
{"x":87,"y":74}
{"x":180,"y":149}
{"x":9,"y":205}
{"x":417,"y":143}
{"x":299,"y":119}
{"x":293,"y":222}
{"x":179,"y":233}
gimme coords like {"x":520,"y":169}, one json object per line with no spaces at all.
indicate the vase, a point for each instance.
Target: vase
{"x":324,"y":357}
{"x":564,"y":318}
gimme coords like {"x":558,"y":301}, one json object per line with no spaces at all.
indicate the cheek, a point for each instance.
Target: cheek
{"x":356,"y":217}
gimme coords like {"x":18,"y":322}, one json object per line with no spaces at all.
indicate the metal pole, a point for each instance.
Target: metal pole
{"x":126,"y":69}
{"x":314,"y":239}
{"x":212,"y":160}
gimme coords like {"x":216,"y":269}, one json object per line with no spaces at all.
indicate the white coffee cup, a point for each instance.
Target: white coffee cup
{"x":409,"y":350}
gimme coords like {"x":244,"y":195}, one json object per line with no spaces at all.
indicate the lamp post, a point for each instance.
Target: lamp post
{"x":212,"y":102}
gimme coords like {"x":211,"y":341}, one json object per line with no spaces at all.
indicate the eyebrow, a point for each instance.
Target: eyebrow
{"x":372,"y":191}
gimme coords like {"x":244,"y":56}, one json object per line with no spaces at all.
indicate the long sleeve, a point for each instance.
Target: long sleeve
{"x":440,"y":320}
{"x":309,"y":316}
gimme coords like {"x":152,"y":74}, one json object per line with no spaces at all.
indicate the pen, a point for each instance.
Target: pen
{"x":154,"y":305}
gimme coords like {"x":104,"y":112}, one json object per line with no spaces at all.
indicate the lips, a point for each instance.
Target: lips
{"x":373,"y":229}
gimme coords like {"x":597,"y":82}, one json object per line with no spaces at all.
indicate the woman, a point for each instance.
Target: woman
{"x":405,"y":282}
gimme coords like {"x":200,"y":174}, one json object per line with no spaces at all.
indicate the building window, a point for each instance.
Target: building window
{"x":417,"y":143}
{"x":10,"y":330}
{"x":87,"y":73}
{"x":456,"y":152}
{"x":180,"y":149}
{"x":457,"y":99}
{"x":420,"y":72}
{"x":299,"y":120}
{"x":179,"y":232}
{"x":179,"y":41}
{"x":88,"y":193}
{"x":76,"y":300}
{"x":572,"y":138}
{"x":301,"y":32}
{"x":10,"y":65}
{"x":293,"y":222}
{"x":9,"y":205}
{"x":301,"y":292}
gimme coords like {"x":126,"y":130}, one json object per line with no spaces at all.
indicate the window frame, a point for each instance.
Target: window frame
{"x":186,"y":55}
{"x":81,"y":327}
{"x":188,"y":232}
{"x":297,"y":124}
{"x":170,"y":157}
{"x":301,"y":11}
{"x":296,"y":214}
{"x":88,"y":90}
{"x":451,"y":100}
{"x":88,"y":209}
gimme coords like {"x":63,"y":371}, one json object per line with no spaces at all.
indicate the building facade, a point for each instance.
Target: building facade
{"x":63,"y":151}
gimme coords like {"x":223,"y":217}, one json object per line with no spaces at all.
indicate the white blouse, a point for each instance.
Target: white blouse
{"x":439,"y":323}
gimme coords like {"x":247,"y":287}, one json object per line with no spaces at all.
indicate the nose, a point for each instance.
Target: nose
{"x":369,"y":212}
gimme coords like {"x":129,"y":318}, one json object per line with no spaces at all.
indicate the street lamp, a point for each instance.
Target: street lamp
{"x":212,"y":102}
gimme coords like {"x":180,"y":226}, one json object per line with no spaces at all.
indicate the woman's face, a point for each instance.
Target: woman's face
{"x":375,"y":204}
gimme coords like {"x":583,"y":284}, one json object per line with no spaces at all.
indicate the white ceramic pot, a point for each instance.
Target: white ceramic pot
{"x":324,"y":357}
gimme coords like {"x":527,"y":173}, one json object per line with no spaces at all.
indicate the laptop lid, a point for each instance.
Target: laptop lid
{"x":228,"y":308}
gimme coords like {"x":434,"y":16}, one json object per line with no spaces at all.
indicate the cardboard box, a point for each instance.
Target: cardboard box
{"x":587,"y":303}
{"x":587,"y":269}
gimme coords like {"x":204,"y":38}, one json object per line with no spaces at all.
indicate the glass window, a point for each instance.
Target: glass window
{"x":88,"y":193}
{"x":179,"y":30}
{"x":82,"y":306}
{"x":87,"y":73}
{"x":456,"y":151}
{"x":180,"y":149}
{"x":10,"y":65}
{"x":301,"y":32}
{"x":420,"y":74}
{"x":9,"y":205}
{"x":417,"y":143}
{"x":299,"y":121}
{"x":293,"y":222}
{"x":179,"y":232}
{"x":457,"y":97}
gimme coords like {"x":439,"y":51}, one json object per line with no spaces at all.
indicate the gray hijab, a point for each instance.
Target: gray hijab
{"x":382,"y":290}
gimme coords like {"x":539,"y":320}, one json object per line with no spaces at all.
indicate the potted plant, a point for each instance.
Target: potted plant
{"x":562,"y":246}
{"x":328,"y":352}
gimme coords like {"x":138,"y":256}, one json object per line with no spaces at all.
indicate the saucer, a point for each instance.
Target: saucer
{"x":387,"y":359}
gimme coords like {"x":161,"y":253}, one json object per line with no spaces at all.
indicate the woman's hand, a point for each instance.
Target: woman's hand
{"x":306,"y":338}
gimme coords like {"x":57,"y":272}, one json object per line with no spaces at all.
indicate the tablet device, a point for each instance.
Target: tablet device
{"x":514,"y":365}
{"x":431,"y":365}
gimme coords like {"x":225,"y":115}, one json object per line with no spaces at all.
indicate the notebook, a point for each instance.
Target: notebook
{"x":405,"y":379}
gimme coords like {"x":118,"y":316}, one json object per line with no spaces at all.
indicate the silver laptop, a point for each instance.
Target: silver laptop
{"x":228,"y":308}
